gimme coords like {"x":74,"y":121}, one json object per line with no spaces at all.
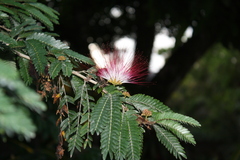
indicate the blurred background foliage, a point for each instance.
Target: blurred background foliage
{"x":199,"y":79}
{"x":210,"y":93}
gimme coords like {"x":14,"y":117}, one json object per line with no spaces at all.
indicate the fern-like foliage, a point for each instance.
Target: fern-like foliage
{"x":37,"y":53}
{"x":170,"y":142}
{"x":76,"y":125}
{"x":134,"y":138}
{"x":24,"y":70}
{"x":142,"y":102}
{"x":86,"y":104}
{"x":14,"y":98}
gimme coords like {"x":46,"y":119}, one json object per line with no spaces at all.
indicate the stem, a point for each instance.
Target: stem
{"x":3,"y":27}
{"x":76,"y":73}
{"x":22,"y":55}
{"x":83,"y":77}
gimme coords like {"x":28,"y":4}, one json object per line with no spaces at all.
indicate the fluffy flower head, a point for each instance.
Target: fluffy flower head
{"x":118,"y":67}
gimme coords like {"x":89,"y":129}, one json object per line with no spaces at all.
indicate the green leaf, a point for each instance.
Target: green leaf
{"x":142,"y":102}
{"x":110,"y":134}
{"x":5,"y":9}
{"x":65,"y":99}
{"x":77,"y":85}
{"x":48,"y":40}
{"x":33,"y":28}
{"x":24,"y":70}
{"x":30,"y":98}
{"x":38,"y":15}
{"x":175,"y":117}
{"x":20,"y":28}
{"x":78,"y":56}
{"x":67,"y":68}
{"x":55,"y":68}
{"x":65,"y":124}
{"x":75,"y":142}
{"x":14,"y":119}
{"x":75,"y":139}
{"x":135,"y":138}
{"x":170,"y":142}
{"x":37,"y":53}
{"x":18,"y":45}
{"x":178,"y":130}
{"x":102,"y":114}
{"x":122,"y":139}
{"x":12,"y":3}
{"x":14,"y":116}
{"x":7,"y":39}
{"x":47,"y":10}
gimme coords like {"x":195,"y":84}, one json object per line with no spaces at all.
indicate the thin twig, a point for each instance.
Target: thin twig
{"x":76,"y":73}
{"x":3,"y":27}
{"x":83,"y":77}
{"x":22,"y":55}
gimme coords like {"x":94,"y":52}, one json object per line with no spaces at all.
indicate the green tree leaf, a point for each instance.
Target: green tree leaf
{"x":122,"y":138}
{"x":48,"y":40}
{"x":6,"y":9}
{"x":135,"y":138}
{"x":20,"y":28}
{"x":170,"y":142}
{"x":24,"y":70}
{"x":14,"y":98}
{"x":175,"y":117}
{"x":38,"y":15}
{"x":14,"y":119}
{"x":67,"y":68}
{"x":102,"y":114}
{"x":110,"y":134}
{"x":78,"y":56}
{"x":6,"y":39}
{"x":75,"y":140}
{"x":47,"y":10}
{"x":142,"y":102}
{"x":12,"y":3}
{"x":55,"y":68}
{"x":178,"y":130}
{"x":77,"y":85}
{"x":37,"y":53}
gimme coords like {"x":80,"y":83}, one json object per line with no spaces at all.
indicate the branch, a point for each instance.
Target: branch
{"x":76,"y":73}
{"x":22,"y":55}
{"x":3,"y":27}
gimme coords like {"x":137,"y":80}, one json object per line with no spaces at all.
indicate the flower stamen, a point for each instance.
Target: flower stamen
{"x":118,"y":67}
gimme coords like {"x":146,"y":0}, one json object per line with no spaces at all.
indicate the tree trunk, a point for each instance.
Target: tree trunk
{"x":178,"y":65}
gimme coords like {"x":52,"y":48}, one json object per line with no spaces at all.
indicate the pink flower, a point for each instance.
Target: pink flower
{"x":118,"y":67}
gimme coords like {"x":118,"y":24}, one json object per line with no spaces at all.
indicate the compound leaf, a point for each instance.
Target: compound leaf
{"x":176,"y":117}
{"x":170,"y":142}
{"x":47,"y":10}
{"x":141,"y":102}
{"x":38,"y":15}
{"x":37,"y":53}
{"x":78,"y":56}
{"x":135,"y":138}
{"x":48,"y":40}
{"x":55,"y":68}
{"x":7,"y":39}
{"x":67,"y":68}
{"x":109,"y":136}
{"x":178,"y":130}
{"x":24,"y":70}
